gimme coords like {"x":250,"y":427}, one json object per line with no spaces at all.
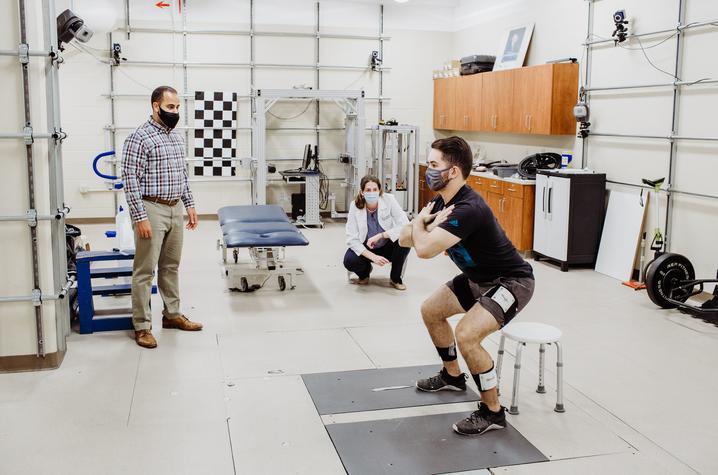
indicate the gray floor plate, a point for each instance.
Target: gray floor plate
{"x":353,"y":391}
{"x":426,"y":445}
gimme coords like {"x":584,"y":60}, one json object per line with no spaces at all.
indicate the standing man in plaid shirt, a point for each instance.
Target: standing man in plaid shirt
{"x":156,"y":186}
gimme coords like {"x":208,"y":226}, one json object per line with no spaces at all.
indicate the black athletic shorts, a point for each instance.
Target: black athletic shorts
{"x":503,"y":297}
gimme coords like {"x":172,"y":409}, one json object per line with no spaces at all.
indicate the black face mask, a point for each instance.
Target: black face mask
{"x":170,"y":119}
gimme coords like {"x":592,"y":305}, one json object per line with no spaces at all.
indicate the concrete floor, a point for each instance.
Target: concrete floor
{"x":640,"y":383}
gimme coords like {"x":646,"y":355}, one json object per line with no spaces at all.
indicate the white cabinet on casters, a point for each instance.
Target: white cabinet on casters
{"x":568,"y":216}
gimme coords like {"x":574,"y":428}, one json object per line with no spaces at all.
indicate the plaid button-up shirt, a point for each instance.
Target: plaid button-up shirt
{"x":153,"y":164}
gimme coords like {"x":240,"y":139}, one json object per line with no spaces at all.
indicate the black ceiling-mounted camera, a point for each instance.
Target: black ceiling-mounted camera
{"x":375,"y":60}
{"x":621,"y":32}
{"x":117,"y":54}
{"x":69,"y":27}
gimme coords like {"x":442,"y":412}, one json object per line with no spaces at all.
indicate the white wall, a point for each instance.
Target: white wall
{"x":649,"y":111}
{"x":17,"y":320}
{"x":420,"y":41}
{"x":560,"y":28}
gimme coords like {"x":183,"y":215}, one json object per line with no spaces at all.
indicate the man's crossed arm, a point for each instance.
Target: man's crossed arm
{"x":424,"y":234}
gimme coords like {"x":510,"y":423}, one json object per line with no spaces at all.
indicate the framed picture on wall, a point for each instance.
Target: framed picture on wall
{"x":515,"y":42}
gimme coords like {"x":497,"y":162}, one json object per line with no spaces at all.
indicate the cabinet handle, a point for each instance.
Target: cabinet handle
{"x":543,"y":200}
{"x":526,"y":121}
{"x":549,"y":199}
{"x":530,"y":116}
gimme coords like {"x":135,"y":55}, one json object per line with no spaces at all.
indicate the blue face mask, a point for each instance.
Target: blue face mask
{"x":371,"y":197}
{"x":435,"y":179}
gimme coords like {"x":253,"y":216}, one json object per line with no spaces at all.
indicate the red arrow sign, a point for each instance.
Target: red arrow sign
{"x":162,"y":4}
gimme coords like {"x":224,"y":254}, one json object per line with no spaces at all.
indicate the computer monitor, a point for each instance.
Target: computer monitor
{"x":307,"y":157}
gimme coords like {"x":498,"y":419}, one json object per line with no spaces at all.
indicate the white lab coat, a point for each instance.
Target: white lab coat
{"x":391,"y":217}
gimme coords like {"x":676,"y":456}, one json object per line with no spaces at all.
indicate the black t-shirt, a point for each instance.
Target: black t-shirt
{"x":484,"y":252}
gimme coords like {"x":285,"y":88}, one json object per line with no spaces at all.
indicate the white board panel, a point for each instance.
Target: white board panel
{"x":621,"y":233}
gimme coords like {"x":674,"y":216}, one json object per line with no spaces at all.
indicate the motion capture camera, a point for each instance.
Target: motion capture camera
{"x":375,"y":60}
{"x":621,"y":32}
{"x":69,"y":27}
{"x":117,"y":54}
{"x":581,"y":112}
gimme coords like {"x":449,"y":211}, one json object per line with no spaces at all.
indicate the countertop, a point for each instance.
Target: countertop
{"x":519,"y":181}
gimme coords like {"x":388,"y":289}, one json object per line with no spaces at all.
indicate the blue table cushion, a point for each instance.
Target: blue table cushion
{"x":252,"y":214}
{"x":269,"y":239}
{"x":257,"y":228}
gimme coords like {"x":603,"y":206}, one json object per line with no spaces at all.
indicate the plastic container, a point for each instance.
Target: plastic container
{"x":125,"y":234}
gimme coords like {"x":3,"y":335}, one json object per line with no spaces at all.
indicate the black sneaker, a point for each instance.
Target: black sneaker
{"x":442,"y":382}
{"x":481,"y":421}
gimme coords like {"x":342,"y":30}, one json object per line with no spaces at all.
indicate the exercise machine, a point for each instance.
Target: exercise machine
{"x":671,"y":281}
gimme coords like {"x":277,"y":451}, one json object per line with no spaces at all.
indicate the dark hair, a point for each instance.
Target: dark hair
{"x":159,"y":93}
{"x":456,"y":152}
{"x":359,"y":200}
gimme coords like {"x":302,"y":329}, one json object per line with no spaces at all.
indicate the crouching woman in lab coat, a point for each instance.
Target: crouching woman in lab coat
{"x":373,"y":226}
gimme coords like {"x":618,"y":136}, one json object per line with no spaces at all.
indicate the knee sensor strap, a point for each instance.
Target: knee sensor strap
{"x":487,"y":380}
{"x":447,"y":354}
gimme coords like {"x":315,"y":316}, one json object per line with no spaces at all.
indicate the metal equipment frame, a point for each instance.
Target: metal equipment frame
{"x":264,"y":263}
{"x":395,"y":140}
{"x":58,"y":209}
{"x":252,"y":65}
{"x":677,"y":85}
{"x":351,"y":102}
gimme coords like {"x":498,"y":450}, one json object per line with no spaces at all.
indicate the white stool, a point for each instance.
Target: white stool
{"x":528,"y":332}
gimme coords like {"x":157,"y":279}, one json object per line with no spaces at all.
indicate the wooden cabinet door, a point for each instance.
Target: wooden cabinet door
{"x":565,"y":89}
{"x":532,"y":91}
{"x":480,"y":186}
{"x":494,"y":201}
{"x":445,"y":103}
{"x":450,"y":121}
{"x":468,"y":103}
{"x":497,"y":101}
{"x":439,"y":102}
{"x":493,"y":186}
{"x":512,"y":211}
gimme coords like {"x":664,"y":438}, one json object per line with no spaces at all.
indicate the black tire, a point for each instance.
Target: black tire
{"x":282,"y":283}
{"x":663,"y":274}
{"x":244,"y":284}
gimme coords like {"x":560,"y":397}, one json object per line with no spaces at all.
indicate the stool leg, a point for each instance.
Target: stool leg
{"x":499,"y":361}
{"x":559,"y":378}
{"x":542,"y":357}
{"x":514,"y":409}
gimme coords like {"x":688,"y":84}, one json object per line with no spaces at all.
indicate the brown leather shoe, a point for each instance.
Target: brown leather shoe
{"x":181,"y":323}
{"x":145,"y":339}
{"x":398,"y":286}
{"x":358,"y":281}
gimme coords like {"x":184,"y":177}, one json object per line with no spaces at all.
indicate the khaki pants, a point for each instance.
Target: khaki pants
{"x":163,"y":251}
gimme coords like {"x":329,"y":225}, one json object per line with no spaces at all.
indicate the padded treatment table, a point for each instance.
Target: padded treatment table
{"x":265,"y":231}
